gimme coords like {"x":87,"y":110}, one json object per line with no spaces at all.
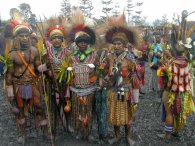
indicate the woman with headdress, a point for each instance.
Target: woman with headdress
{"x":83,"y":87}
{"x":177,"y":96}
{"x":122,"y":100}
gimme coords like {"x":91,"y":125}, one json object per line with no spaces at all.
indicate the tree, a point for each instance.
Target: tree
{"x":164,"y":20}
{"x":86,"y":7}
{"x":29,"y":17}
{"x":134,"y":16}
{"x":106,"y":7}
{"x":161,"y":22}
{"x":25,"y":9}
{"x":136,"y":19}
{"x":157,"y":22}
{"x":90,"y":9}
{"x":66,"y":8}
{"x":116,"y":11}
{"x":129,"y":10}
{"x":138,"y":12}
{"x":32,"y":21}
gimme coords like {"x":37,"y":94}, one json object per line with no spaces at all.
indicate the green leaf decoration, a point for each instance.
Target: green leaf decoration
{"x":82,"y":57}
{"x":7,"y":62}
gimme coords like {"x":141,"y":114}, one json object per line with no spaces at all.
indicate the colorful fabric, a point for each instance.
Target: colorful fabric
{"x":81,"y":114}
{"x":157,"y":48}
{"x":182,"y":106}
{"x":180,"y":80}
{"x":29,"y":92}
{"x":56,"y":54}
{"x":83,"y":93}
{"x":101,"y":102}
{"x":118,"y":111}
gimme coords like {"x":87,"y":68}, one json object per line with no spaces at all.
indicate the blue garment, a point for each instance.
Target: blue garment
{"x":157,"y":48}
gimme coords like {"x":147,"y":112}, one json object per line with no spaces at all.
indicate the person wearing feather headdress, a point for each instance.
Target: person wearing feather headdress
{"x":21,"y":78}
{"x":122,"y":94}
{"x":83,"y":88}
{"x":177,"y":96}
{"x":57,"y":61}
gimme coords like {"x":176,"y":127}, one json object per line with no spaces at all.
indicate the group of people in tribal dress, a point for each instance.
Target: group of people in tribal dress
{"x":82,"y":82}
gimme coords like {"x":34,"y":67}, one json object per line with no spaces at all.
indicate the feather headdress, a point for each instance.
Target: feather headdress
{"x":13,"y":28}
{"x":80,"y":30}
{"x":117,"y":28}
{"x":56,"y":26}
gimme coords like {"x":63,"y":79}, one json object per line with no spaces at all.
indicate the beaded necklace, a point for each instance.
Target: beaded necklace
{"x":57,"y":57}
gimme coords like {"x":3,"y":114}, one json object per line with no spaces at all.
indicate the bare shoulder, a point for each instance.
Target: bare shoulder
{"x":34,"y":50}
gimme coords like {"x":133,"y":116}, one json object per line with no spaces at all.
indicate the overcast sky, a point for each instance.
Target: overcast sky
{"x":152,"y":9}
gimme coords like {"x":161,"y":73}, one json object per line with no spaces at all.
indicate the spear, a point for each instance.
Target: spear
{"x":44,"y":88}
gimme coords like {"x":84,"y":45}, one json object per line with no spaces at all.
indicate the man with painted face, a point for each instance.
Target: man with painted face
{"x":121,"y":99}
{"x":21,"y":79}
{"x":57,"y":53}
{"x":55,"y":46}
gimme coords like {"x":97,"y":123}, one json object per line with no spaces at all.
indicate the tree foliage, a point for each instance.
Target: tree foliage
{"x":116,"y":11}
{"x":27,"y":14}
{"x":107,"y":7}
{"x":129,"y":10}
{"x":86,"y":6}
{"x":25,"y":9}
{"x":161,"y":22}
{"x":66,"y":8}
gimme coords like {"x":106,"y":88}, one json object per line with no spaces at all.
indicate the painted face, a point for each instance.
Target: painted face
{"x":56,"y":41}
{"x":118,"y":46}
{"x":82,"y":45}
{"x":24,"y":39}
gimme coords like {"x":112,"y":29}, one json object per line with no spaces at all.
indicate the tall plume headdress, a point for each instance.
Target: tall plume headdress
{"x":117,"y":28}
{"x":56,"y":26}
{"x":80,"y":29}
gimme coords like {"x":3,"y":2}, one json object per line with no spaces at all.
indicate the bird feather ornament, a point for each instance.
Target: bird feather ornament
{"x":119,"y":21}
{"x":77,"y":17}
{"x":56,"y":22}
